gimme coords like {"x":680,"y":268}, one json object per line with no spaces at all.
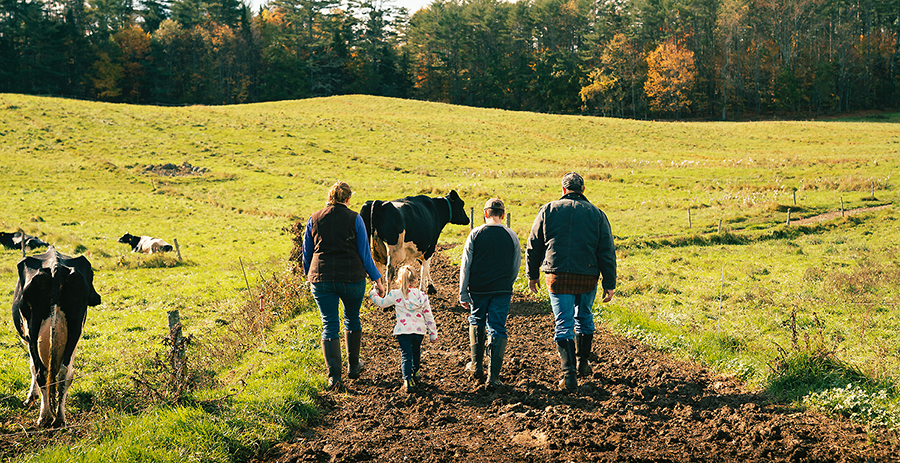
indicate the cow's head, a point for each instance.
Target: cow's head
{"x":6,"y":239}
{"x":127,"y":239}
{"x":457,"y":209}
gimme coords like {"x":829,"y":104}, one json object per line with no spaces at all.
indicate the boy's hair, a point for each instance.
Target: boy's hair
{"x":404,"y":276}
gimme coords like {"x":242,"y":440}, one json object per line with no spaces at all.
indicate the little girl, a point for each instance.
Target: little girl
{"x":414,"y":321}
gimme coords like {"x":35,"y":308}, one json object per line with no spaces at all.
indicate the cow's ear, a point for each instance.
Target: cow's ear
{"x":87,"y":272}
{"x":29,"y":267}
{"x":453,"y":195}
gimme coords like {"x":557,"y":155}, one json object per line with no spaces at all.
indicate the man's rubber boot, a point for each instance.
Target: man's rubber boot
{"x":331,"y":350}
{"x":583,"y":352}
{"x":476,"y":348}
{"x":566,"y":348}
{"x":355,"y":365}
{"x":497,"y":348}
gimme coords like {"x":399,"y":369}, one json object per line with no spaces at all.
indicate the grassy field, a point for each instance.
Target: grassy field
{"x":73,"y":174}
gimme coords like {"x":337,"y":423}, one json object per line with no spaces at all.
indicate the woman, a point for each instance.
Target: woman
{"x":336,"y":260}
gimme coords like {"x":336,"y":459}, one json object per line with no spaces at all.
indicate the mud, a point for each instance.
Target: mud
{"x":640,"y":405}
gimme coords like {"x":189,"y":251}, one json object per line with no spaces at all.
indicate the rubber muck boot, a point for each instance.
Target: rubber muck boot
{"x":583,"y":352}
{"x":331,"y":350}
{"x":476,"y":348}
{"x":355,"y":365}
{"x":497,"y":349}
{"x":566,"y":348}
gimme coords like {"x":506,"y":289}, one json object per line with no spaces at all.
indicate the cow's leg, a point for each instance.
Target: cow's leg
{"x":65,"y":339}
{"x":390,"y":272}
{"x":64,"y":378}
{"x":40,"y":350}
{"x":426,"y":281}
{"x":33,"y":391}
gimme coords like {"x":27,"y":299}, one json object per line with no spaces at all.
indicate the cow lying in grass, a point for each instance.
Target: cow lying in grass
{"x":50,"y":304}
{"x":145,"y":244}
{"x":14,"y":241}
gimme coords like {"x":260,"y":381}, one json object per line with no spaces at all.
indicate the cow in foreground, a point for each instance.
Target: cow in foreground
{"x":408,"y":228}
{"x":14,"y":241}
{"x":49,"y":308}
{"x":145,"y":244}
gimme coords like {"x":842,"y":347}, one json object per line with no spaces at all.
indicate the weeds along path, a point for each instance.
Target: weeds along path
{"x":640,"y":405}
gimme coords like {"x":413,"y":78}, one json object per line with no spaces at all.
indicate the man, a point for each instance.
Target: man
{"x":490,"y":264}
{"x":571,"y":242}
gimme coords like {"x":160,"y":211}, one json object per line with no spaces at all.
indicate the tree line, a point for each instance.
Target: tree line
{"x":714,"y":59}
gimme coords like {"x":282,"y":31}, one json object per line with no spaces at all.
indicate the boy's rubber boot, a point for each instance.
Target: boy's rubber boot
{"x":583,"y":352}
{"x":331,"y":350}
{"x":566,"y":348}
{"x":355,"y":365}
{"x":497,"y":348}
{"x":476,"y":349}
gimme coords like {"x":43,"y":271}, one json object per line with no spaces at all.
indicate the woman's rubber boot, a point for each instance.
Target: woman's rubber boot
{"x":355,"y":365}
{"x":566,"y":348}
{"x":583,"y":352}
{"x":476,"y":349}
{"x":331,"y":350}
{"x":497,"y":348}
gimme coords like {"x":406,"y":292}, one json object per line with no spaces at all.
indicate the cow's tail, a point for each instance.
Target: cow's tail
{"x":57,"y":338}
{"x":371,"y":230}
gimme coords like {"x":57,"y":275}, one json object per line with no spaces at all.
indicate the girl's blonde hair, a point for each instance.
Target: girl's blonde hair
{"x":405,"y":276}
{"x":339,"y":193}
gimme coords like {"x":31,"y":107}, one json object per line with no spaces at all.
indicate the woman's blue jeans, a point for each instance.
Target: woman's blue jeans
{"x":410,"y":353}
{"x":573,"y":314}
{"x":327,"y":294}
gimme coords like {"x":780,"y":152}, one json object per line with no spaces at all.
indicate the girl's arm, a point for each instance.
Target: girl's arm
{"x":386,"y":301}
{"x":430,"y":325}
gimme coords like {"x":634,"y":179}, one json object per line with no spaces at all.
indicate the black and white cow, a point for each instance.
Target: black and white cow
{"x":14,"y":241}
{"x":408,"y":228}
{"x":145,"y":244}
{"x":49,"y":308}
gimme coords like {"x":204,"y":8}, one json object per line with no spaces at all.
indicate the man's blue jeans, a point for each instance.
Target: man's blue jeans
{"x":410,"y":353}
{"x":491,"y":310}
{"x":573,"y":314}
{"x":327,"y":294}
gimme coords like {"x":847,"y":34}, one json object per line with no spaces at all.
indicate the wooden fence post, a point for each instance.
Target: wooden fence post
{"x":177,"y":249}
{"x":175,"y":327}
{"x":795,"y":197}
{"x":842,"y":206}
{"x":789,"y":217}
{"x":471,"y":218}
{"x":720,"y":227}
{"x":507,"y":220}
{"x":689,"y":217}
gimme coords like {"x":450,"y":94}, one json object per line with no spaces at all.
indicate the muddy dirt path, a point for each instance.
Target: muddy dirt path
{"x":640,"y":405}
{"x":836,"y":214}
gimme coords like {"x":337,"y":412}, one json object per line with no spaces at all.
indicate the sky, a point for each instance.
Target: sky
{"x":411,"y":5}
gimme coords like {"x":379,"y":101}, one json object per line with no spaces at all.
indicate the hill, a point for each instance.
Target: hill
{"x":80,"y":174}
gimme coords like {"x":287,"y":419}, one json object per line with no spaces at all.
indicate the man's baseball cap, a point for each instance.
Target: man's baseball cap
{"x":573,"y":182}
{"x":495,"y":203}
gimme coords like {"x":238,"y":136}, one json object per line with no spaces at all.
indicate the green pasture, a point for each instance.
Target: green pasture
{"x":73,"y":174}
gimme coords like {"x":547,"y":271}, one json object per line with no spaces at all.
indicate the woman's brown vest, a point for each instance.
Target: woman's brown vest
{"x":335,"y":256}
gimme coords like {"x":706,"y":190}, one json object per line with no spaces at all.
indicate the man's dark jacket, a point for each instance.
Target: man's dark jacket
{"x":571,"y":235}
